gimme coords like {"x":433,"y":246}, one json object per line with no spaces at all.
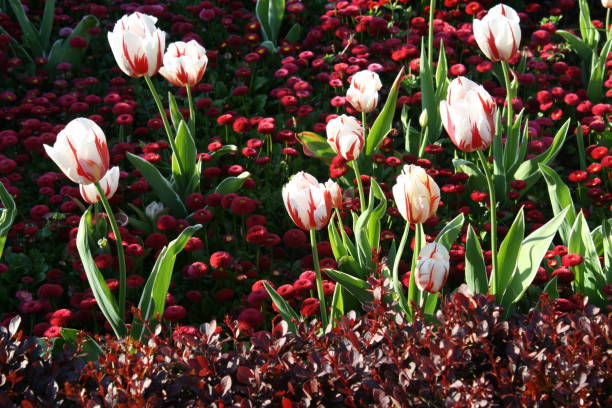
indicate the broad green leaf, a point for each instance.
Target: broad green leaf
{"x":511,"y":150}
{"x":475,"y":270}
{"x":598,"y":70}
{"x":442,"y":69}
{"x":7,"y":215}
{"x":382,"y":124}
{"x":357,"y":287}
{"x":232,"y":184}
{"x":529,"y":170}
{"x":105,"y":299}
{"x":187,"y":154}
{"x":578,"y":46}
{"x":429,"y":99}
{"x":91,"y":347}
{"x":533,"y":249}
{"x":589,"y":278}
{"x":477,"y":179}
{"x":276,"y":14}
{"x":349,"y":265}
{"x":286,"y":311}
{"x":448,"y":235}
{"x":335,"y":239}
{"x":607,"y":248}
{"x":316,"y":146}
{"x":261,"y":11}
{"x":294,"y":33}
{"x":153,"y":299}
{"x":551,"y":289}
{"x":560,"y":198}
{"x":29,"y":37}
{"x":62,"y":51}
{"x":46,"y":24}
{"x":337,"y":305}
{"x":508,"y":253}
{"x":162,"y":187}
{"x":175,"y":114}
{"x":431,"y":300}
{"x":377,"y":213}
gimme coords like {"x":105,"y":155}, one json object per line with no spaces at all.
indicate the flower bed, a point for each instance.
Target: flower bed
{"x":466,"y":143}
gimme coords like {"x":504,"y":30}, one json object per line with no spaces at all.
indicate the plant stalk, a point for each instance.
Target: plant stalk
{"x":493,"y":283}
{"x":412,"y":289}
{"x":192,"y":114}
{"x":319,"y":279}
{"x":120,"y":253}
{"x":362,"y":202}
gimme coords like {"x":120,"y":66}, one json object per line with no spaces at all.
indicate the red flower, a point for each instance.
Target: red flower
{"x":221,"y":259}
{"x":309,"y":307}
{"x":570,"y":260}
{"x":175,"y":313}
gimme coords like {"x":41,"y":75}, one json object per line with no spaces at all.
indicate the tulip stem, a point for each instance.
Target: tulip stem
{"x":362,"y":202}
{"x":120,"y":253}
{"x":432,"y":8}
{"x":192,"y":117}
{"x":493,"y":212}
{"x":320,"y":292}
{"x":608,"y":29}
{"x":509,"y":109}
{"x":364,"y":125}
{"x":412,"y":289}
{"x":398,"y":255}
{"x":162,"y":112}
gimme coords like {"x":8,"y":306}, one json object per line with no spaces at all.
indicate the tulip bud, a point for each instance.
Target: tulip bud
{"x":153,"y":209}
{"x":184,"y":63}
{"x":423,"y":118}
{"x":108,"y":183}
{"x":468,"y":115}
{"x":80,"y":151}
{"x":416,"y":195}
{"x":137,"y":45}
{"x":308,"y":202}
{"x":345,"y":136}
{"x":363,"y":92}
{"x":498,"y":34}
{"x":336,"y":193}
{"x":432,"y":267}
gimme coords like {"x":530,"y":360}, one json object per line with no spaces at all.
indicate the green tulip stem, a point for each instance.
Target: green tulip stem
{"x":362,"y":202}
{"x":192,"y":114}
{"x":120,"y":253}
{"x":493,"y":211}
{"x":162,"y":112}
{"x":509,"y":109}
{"x":412,"y":289}
{"x":320,"y":292}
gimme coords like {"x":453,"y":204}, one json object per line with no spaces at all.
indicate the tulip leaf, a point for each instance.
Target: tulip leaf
{"x":512,"y":142}
{"x":429,"y":98}
{"x":508,"y":253}
{"x":384,"y":121}
{"x":335,"y":239}
{"x":162,"y":187}
{"x":533,"y":249}
{"x":431,"y":300}
{"x":187,"y":154}
{"x":560,"y":198}
{"x":589,"y":278}
{"x":153,"y":299}
{"x":377,"y":213}
{"x":442,"y":71}
{"x":475,"y":270}
{"x":46,"y":24}
{"x":579,"y":46}
{"x":104,"y":298}
{"x":316,"y":146}
{"x":448,"y":235}
{"x":529,"y":171}
{"x":349,"y":265}
{"x":261,"y":11}
{"x":91,"y":347}
{"x":598,"y":70}
{"x":356,"y":287}
{"x":294,"y":33}
{"x":62,"y":51}
{"x":29,"y":37}
{"x":232,"y":184}
{"x":551,"y":289}
{"x":175,"y":114}
{"x":276,"y":14}
{"x":606,"y":228}
{"x":7,"y":215}
{"x":337,"y":305}
{"x":284,"y":309}
{"x":477,"y":180}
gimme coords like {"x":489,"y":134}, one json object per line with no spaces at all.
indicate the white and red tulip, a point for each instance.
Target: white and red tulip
{"x":498,"y":34}
{"x":363,"y":92}
{"x":468,"y":115}
{"x":432,"y":267}
{"x":336,"y":193}
{"x":416,"y":195}
{"x":80,"y":151}
{"x":138,"y":45}
{"x":606,"y":4}
{"x":184,"y":63}
{"x":108,"y":183}
{"x":345,"y":136}
{"x":308,"y":202}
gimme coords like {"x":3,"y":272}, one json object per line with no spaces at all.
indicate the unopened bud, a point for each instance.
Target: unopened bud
{"x":423,"y":118}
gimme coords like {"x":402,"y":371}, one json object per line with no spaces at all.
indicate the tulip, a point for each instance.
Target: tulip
{"x":416,"y":195}
{"x":363,"y":92}
{"x":468,"y":115}
{"x":336,"y":193}
{"x":80,"y":151}
{"x":432,"y":267}
{"x":184,"y":63}
{"x":498,"y":34}
{"x":108,"y":184}
{"x":308,"y":202}
{"x":606,"y":4}
{"x":138,"y":46}
{"x":345,"y":136}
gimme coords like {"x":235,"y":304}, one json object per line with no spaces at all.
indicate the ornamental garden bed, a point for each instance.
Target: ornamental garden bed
{"x":287,"y":203}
